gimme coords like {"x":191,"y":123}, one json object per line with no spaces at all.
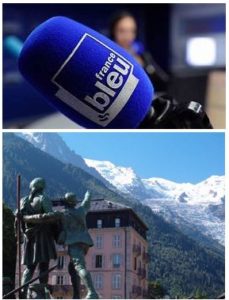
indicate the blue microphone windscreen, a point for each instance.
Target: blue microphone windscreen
{"x":85,"y":75}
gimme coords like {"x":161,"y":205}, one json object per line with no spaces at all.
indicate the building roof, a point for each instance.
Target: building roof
{"x":102,"y":205}
{"x":106,"y":205}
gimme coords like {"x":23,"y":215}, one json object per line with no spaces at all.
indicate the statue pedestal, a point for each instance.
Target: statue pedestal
{"x":39,"y":291}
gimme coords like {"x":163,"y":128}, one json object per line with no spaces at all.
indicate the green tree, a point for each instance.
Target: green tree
{"x":155,"y":290}
{"x":199,"y":294}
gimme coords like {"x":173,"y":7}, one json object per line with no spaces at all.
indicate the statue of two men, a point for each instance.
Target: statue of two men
{"x":38,"y":225}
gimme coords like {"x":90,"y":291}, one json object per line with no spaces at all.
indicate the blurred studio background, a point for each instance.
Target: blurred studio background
{"x":181,"y":47}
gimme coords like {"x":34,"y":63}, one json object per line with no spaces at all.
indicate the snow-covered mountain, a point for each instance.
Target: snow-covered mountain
{"x":192,"y":207}
{"x":124,"y":179}
{"x":53,"y":144}
{"x":205,"y":192}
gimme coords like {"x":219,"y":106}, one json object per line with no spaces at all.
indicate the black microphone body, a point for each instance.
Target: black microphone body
{"x":167,"y":113}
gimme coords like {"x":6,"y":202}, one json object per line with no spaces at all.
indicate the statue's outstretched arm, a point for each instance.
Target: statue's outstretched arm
{"x":86,"y":201}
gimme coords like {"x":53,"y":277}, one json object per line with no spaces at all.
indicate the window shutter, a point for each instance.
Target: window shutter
{"x":104,"y":261}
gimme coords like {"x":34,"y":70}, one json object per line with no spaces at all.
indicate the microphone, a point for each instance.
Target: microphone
{"x":96,"y":83}
{"x":86,"y":76}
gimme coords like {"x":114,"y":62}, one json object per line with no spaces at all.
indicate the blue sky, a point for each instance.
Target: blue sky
{"x":180,"y":157}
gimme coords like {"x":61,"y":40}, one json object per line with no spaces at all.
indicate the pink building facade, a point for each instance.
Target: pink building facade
{"x":118,"y":261}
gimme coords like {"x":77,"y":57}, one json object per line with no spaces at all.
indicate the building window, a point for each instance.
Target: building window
{"x":116,"y":281}
{"x":117,"y":222}
{"x":116,"y":260}
{"x":99,"y":242}
{"x":98,"y":281}
{"x":117,"y":241}
{"x":60,"y":279}
{"x":98,"y":261}
{"x":135,"y":263}
{"x":60,"y":263}
{"x":99,"y":223}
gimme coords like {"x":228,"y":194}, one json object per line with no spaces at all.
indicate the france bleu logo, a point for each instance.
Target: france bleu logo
{"x":104,"y":81}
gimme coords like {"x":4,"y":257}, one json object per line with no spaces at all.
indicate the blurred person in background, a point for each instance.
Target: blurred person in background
{"x":124,"y":31}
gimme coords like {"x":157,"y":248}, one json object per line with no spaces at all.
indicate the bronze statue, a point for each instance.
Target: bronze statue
{"x":74,"y":234}
{"x":39,"y":245}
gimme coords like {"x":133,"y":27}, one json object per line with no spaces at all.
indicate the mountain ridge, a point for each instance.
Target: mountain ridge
{"x":54,"y":145}
{"x":199,"y":207}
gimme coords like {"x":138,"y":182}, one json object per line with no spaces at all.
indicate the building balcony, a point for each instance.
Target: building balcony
{"x":137,"y":250}
{"x":145,"y":257}
{"x":136,"y":290}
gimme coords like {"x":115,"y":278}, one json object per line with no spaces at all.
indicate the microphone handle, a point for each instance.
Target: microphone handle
{"x":167,"y":113}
